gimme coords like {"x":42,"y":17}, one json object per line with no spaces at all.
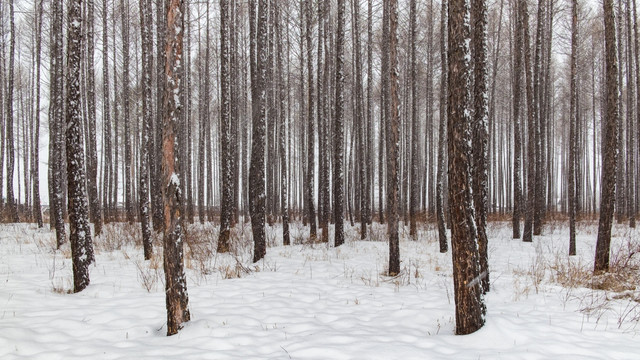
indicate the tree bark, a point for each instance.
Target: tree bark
{"x":480,"y":130}
{"x":35,"y":171}
{"x":338,"y":130}
{"x":610,"y":143}
{"x":147,"y":121}
{"x":256,"y":172}
{"x":572,"y":128}
{"x":442,"y":127}
{"x":79,"y":230}
{"x":12,"y":208}
{"x":393,"y":138}
{"x":470,"y":308}
{"x":177,"y":299}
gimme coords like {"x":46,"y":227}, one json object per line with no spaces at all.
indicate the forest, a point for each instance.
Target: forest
{"x":251,"y":126}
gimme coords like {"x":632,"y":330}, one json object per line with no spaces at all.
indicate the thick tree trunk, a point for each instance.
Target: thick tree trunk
{"x":470,"y":308}
{"x":79,"y":230}
{"x":177,"y":300}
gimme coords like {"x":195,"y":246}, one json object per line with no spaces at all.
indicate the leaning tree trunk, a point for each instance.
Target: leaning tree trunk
{"x":610,"y":143}
{"x":79,"y":230}
{"x":177,"y":300}
{"x":470,"y":308}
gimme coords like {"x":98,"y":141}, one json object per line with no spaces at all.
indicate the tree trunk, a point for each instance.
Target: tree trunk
{"x":92,"y":158}
{"x":128,"y":194}
{"x":177,"y":299}
{"x":35,"y":171}
{"x":256,"y":172}
{"x":147,"y":120}
{"x":393,"y":138}
{"x":338,"y":130}
{"x":470,"y":308}
{"x":572,"y":128}
{"x":414,"y":197}
{"x":79,"y":230}
{"x":480,"y":130}
{"x":610,"y":143}
{"x":12,"y":209}
{"x":517,"y":143}
{"x":440,"y":173}
{"x":225,"y":133}
{"x":56,"y":133}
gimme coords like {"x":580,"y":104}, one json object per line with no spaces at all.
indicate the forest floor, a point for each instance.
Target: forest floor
{"x":313,"y":301}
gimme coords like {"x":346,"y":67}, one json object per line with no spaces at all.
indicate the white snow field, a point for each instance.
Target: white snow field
{"x":314,"y":301}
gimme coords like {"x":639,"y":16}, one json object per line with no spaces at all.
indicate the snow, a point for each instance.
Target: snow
{"x":306,"y":301}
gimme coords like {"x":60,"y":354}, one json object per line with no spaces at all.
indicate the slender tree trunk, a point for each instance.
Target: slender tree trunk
{"x":338,"y":130}
{"x":309,"y":184}
{"x":12,"y":209}
{"x":147,"y":121}
{"x":531,"y":129}
{"x":414,"y":197}
{"x":156,"y":178}
{"x":610,"y":143}
{"x":393,"y":138}
{"x":480,"y":130}
{"x":225,"y":132}
{"x":35,"y":171}
{"x":92,"y":158}
{"x":128,"y":194}
{"x":106,"y":119}
{"x":283,"y":120}
{"x":517,"y":87}
{"x":572,"y":128}
{"x":56,"y":133}
{"x":440,"y":188}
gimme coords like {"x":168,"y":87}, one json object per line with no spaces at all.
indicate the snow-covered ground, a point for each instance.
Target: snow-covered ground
{"x":312,"y":301}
